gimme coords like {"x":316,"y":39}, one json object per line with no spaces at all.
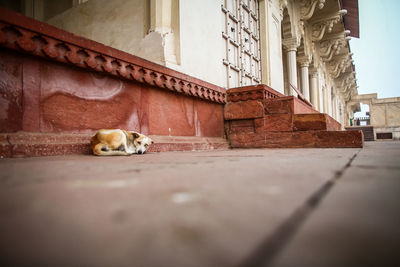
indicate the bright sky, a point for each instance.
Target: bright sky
{"x":377,"y":51}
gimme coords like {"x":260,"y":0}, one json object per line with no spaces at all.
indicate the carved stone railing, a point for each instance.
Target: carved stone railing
{"x":253,"y":92}
{"x":300,"y":95}
{"x":23,"y":34}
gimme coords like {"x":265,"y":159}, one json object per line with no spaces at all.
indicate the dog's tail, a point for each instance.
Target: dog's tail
{"x":94,"y":140}
{"x":96,"y":145}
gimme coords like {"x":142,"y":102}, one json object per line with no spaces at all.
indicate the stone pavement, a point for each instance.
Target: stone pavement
{"x":243,"y":207}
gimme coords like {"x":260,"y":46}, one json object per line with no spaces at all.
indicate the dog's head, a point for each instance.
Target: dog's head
{"x":141,"y":142}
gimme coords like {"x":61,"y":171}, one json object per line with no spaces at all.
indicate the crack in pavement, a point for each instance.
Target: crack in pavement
{"x":267,"y":251}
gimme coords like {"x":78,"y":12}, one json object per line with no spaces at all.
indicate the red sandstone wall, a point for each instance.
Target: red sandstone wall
{"x":37,"y":95}
{"x":52,"y":81}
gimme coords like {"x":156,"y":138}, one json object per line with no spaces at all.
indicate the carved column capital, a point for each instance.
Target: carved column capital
{"x":291,"y":44}
{"x":304,"y":61}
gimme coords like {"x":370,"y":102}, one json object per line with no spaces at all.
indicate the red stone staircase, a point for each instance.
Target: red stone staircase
{"x":258,"y":116}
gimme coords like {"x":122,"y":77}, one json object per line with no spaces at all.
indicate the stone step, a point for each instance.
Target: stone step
{"x":306,"y":139}
{"x":251,"y":109}
{"x":315,"y":121}
{"x":368,"y":131}
{"x":287,"y":104}
{"x":26,"y":144}
{"x":284,"y":123}
{"x":258,"y":116}
{"x":272,"y":101}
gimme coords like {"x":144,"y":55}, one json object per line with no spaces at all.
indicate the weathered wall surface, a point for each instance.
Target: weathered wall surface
{"x":121,"y":24}
{"x":201,"y":41}
{"x":10,"y":94}
{"x":385,"y":116}
{"x":55,"y":82}
{"x":179,"y":44}
{"x":385,"y":112}
{"x":41,"y":96}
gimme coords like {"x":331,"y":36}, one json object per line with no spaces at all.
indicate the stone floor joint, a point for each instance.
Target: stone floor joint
{"x":265,"y":254}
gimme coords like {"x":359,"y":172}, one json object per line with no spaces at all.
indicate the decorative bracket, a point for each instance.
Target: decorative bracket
{"x":325,"y":25}
{"x":307,"y":8}
{"x":339,"y":64}
{"x":333,"y":45}
{"x":345,"y":81}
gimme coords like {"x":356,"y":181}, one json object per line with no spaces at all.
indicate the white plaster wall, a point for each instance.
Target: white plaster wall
{"x":124,"y":25}
{"x":271,"y":45}
{"x":121,"y":24}
{"x":201,"y":40}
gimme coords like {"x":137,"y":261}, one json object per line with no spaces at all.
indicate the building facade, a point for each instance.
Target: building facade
{"x":197,"y":48}
{"x":230,"y":43}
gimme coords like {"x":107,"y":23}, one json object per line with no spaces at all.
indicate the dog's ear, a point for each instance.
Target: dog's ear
{"x":135,"y":135}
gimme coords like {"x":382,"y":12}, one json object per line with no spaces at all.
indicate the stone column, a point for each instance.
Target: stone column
{"x":334,"y":107}
{"x":163,"y":28}
{"x":305,"y":85}
{"x":290,"y":46}
{"x":329,"y":101}
{"x":321,"y":99}
{"x":314,"y":88}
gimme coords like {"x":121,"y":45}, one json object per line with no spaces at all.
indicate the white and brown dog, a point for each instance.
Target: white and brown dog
{"x":119,"y":142}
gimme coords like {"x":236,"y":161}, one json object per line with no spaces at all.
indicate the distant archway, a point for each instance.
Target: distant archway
{"x":362,"y":117}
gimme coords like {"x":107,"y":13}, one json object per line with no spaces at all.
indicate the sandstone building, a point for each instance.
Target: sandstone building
{"x":197,"y":48}
{"x":383,"y":115}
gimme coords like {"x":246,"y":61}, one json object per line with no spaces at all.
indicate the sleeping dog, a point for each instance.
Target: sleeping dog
{"x":119,"y":142}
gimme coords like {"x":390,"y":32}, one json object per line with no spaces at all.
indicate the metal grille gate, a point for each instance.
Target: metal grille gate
{"x":241,"y":42}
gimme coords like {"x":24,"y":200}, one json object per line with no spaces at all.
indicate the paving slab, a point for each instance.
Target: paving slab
{"x":357,"y":223}
{"x":159,"y":209}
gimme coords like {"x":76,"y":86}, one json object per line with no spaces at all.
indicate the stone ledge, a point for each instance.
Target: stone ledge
{"x":23,"y":34}
{"x":24,"y":144}
{"x":252,"y":92}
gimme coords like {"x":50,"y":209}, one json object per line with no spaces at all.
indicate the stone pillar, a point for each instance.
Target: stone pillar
{"x":321,"y":99}
{"x":334,"y":107}
{"x":314,"y":88}
{"x":290,"y":46}
{"x":305,"y":86}
{"x":163,"y":25}
{"x":329,"y":101}
{"x":325,"y":100}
